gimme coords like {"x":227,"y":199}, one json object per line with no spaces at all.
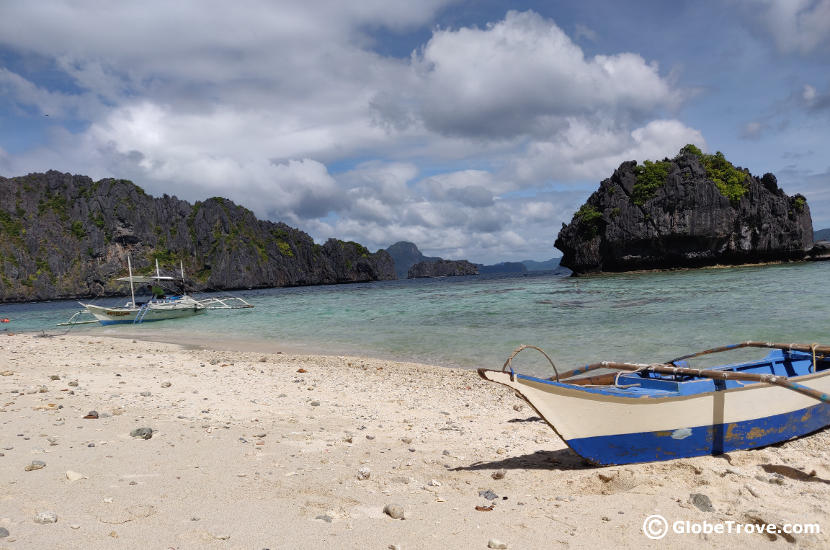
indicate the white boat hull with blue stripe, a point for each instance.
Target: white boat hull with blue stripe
{"x":645,"y":416}
{"x":156,"y":310}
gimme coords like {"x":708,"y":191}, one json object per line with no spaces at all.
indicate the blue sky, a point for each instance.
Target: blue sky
{"x":473,"y":129}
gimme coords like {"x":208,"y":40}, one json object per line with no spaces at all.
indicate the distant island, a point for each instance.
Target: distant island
{"x":407,"y":256}
{"x":65,"y":236}
{"x":690,"y":211}
{"x":822,"y":235}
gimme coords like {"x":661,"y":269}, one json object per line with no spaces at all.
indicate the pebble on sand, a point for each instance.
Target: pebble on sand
{"x":3,"y":532}
{"x":364,"y":473}
{"x":496,"y":543}
{"x":91,"y":415}
{"x":46,"y":517}
{"x":701,"y":502}
{"x":75,"y":476}
{"x":394,"y":511}
{"x":35,"y":465}
{"x":143,"y":433}
{"x":166,"y":384}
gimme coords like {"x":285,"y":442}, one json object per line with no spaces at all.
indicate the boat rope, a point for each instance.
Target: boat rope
{"x":813,"y":348}
{"x":509,"y":361}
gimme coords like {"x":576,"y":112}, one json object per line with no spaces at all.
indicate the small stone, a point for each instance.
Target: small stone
{"x":75,"y":476}
{"x":501,"y":451}
{"x":394,"y":511}
{"x":488,"y":494}
{"x":4,"y":532}
{"x":6,"y":373}
{"x":498,"y":474}
{"x":42,"y":389}
{"x":407,"y":440}
{"x":143,"y":433}
{"x":370,"y":437}
{"x":46,"y":517}
{"x":35,"y":465}
{"x":394,"y":547}
{"x":518,"y":408}
{"x":145,"y":394}
{"x":315,"y":403}
{"x":91,"y":415}
{"x":54,"y":377}
{"x":222,"y":536}
{"x":496,"y":543}
{"x":325,"y":517}
{"x":73,"y":383}
{"x":91,"y":445}
{"x":263,"y":359}
{"x":364,"y":473}
{"x":445,"y":452}
{"x":701,"y":502}
{"x":74,"y":526}
{"x":434,"y":483}
{"x":52,"y":440}
{"x":166,"y":384}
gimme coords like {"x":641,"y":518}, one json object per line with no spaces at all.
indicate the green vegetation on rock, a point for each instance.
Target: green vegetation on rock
{"x":730,"y":181}
{"x":590,"y":218}
{"x":650,"y":177}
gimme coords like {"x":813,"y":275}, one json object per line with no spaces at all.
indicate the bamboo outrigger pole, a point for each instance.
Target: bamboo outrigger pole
{"x":670,"y":368}
{"x":814,"y":348}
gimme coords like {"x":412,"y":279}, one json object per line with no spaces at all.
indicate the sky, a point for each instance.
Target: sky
{"x":471,"y":128}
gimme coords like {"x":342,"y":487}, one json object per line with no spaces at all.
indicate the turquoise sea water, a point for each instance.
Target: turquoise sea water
{"x":477,"y":321}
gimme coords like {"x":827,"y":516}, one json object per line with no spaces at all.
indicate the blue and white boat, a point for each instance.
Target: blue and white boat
{"x":662,"y":411}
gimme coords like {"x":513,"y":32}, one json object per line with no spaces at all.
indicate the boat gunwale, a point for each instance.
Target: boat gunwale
{"x":597,"y":393}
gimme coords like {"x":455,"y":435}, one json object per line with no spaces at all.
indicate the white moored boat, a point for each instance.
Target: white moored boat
{"x":158,"y":307}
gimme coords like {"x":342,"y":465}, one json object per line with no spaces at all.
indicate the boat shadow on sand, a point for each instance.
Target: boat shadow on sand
{"x":559,"y":459}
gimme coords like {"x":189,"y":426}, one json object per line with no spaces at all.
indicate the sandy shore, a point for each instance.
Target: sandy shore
{"x":253,"y":450}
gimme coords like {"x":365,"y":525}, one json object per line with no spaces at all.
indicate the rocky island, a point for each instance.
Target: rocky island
{"x":442,"y":268}
{"x":690,"y":211}
{"x":65,"y":236}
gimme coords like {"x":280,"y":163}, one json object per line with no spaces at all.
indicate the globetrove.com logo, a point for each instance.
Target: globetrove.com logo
{"x":656,"y":527}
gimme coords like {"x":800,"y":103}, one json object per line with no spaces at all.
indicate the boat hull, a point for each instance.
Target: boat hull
{"x":610,"y":427}
{"x":120,"y":316}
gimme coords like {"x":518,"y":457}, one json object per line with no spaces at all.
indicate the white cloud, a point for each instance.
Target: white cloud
{"x":262,"y":103}
{"x":797,"y":26}
{"x":524,"y":75}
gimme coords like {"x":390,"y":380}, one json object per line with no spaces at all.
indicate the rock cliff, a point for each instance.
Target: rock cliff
{"x":406,"y":254}
{"x":442,"y":268}
{"x":65,"y":236}
{"x":690,"y":211}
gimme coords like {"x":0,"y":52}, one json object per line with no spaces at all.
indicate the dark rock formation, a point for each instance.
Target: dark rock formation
{"x":406,"y":254}
{"x":820,"y":251}
{"x":65,"y":236}
{"x":442,"y":268}
{"x":674,"y":214}
{"x":503,"y":267}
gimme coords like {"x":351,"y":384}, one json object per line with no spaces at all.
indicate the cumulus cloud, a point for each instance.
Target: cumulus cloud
{"x":796,"y":26}
{"x":289,"y":111}
{"x":522,"y":75}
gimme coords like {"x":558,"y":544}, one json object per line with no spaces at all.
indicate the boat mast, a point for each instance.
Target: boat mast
{"x":130,"y":270}
{"x":181,"y":267}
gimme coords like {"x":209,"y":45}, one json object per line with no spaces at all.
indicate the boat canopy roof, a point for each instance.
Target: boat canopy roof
{"x":145,"y":279}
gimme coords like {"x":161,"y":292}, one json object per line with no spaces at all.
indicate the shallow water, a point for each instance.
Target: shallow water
{"x":477,"y":321}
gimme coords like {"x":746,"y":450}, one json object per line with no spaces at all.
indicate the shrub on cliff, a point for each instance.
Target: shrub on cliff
{"x":732,"y":182}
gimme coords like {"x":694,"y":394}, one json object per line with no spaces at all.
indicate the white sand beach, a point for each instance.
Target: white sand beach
{"x":255,"y":450}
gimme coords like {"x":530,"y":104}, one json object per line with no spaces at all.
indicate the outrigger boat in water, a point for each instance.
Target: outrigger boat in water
{"x":156,"y":308}
{"x":661,"y":411}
